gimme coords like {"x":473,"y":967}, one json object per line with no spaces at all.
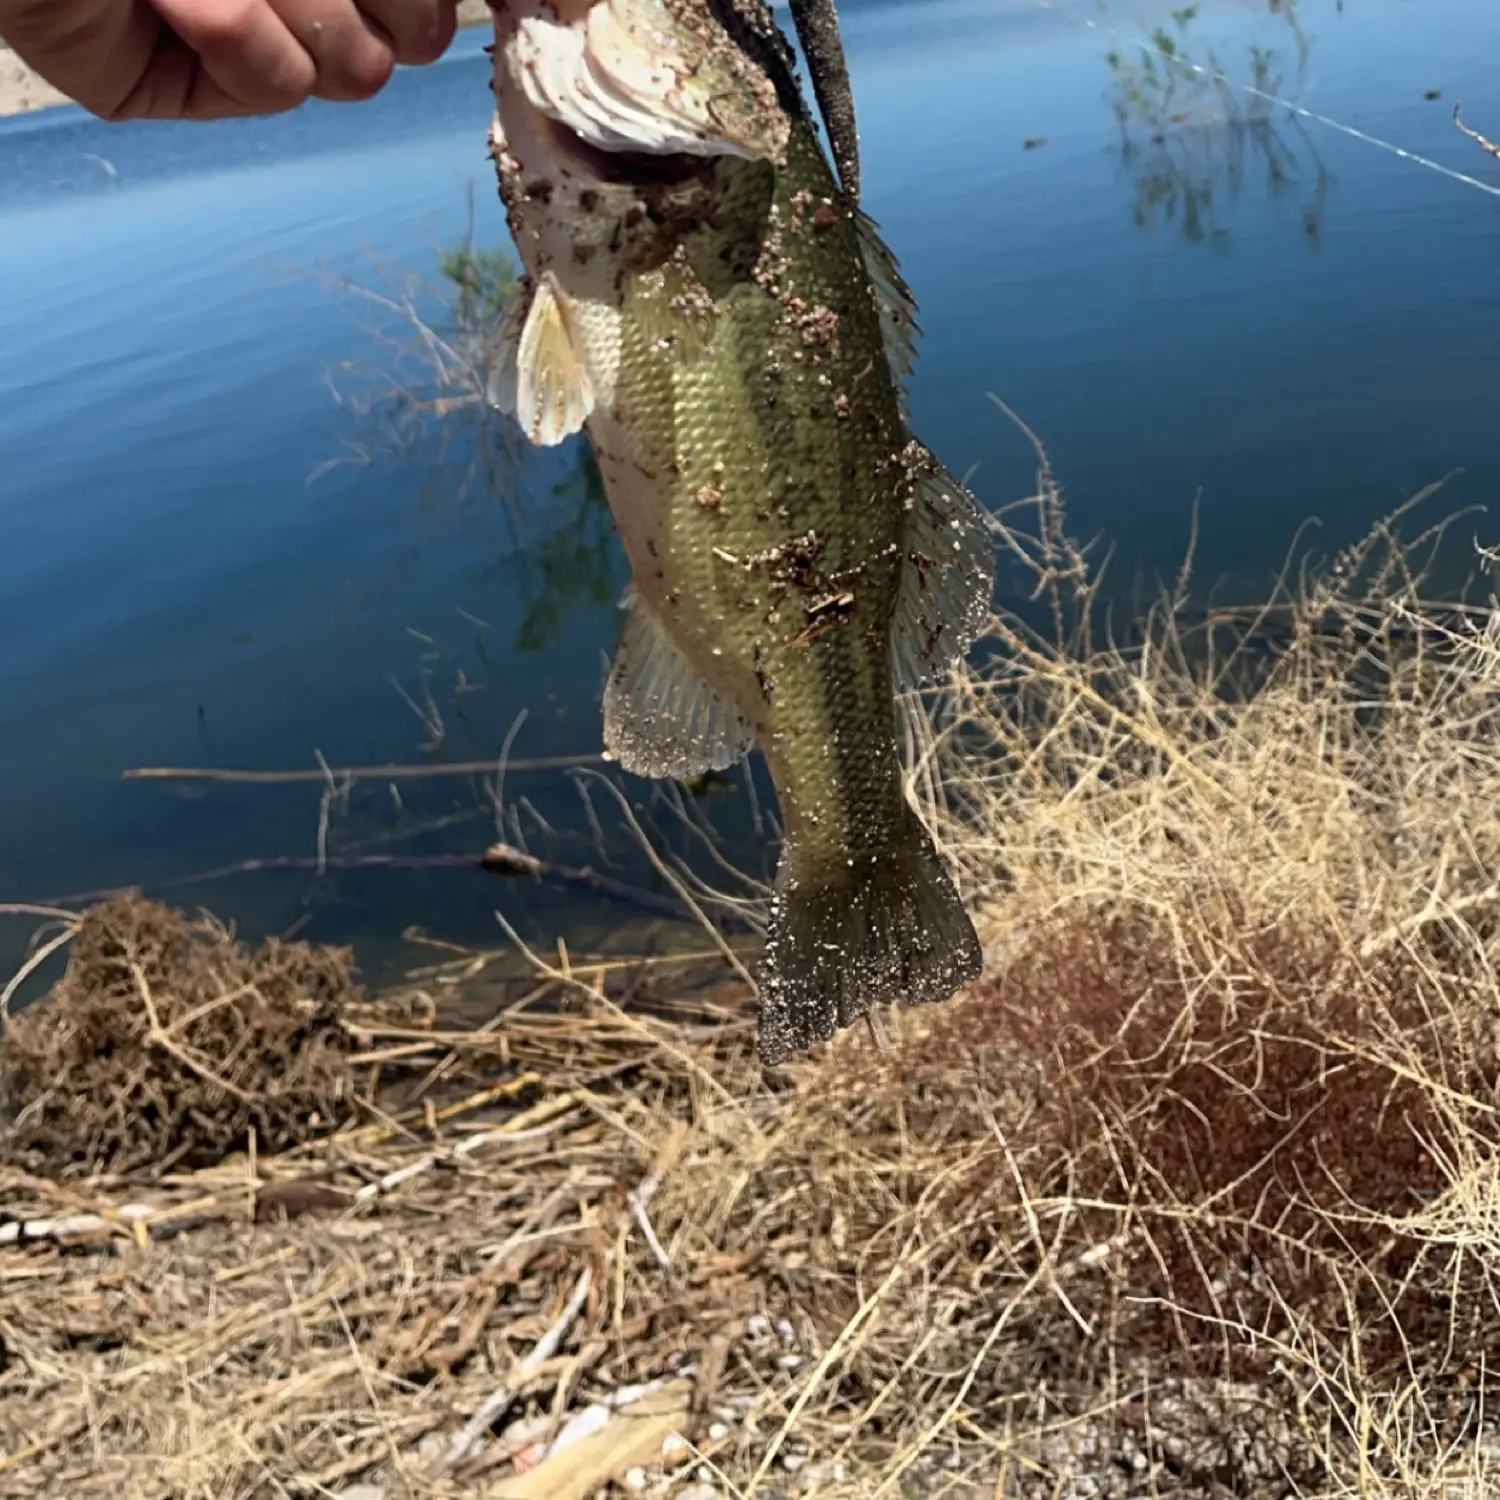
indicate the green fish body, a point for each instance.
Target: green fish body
{"x":705,"y":303}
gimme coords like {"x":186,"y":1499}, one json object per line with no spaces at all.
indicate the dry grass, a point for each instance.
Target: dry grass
{"x":1195,"y":1194}
{"x":167,"y":1042}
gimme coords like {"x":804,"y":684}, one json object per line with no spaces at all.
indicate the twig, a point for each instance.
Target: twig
{"x":35,"y":960}
{"x":1482,"y":142}
{"x":355,"y":773}
{"x":28,"y":1231}
{"x":495,"y":1404}
{"x":162,"y":1036}
{"x":506,"y":859}
{"x":499,"y":859}
{"x":638,"y":1200}
{"x":530,"y":1125}
{"x":501,"y":1397}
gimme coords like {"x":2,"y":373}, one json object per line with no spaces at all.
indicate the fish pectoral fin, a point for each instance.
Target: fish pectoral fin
{"x":660,"y":718}
{"x":893,"y":300}
{"x":500,"y":389}
{"x":947,"y":579}
{"x":553,"y":392}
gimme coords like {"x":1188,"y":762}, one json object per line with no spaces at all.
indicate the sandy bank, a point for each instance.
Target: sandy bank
{"x":22,"y":91}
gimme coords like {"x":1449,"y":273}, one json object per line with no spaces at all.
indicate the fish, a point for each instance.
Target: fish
{"x":709,"y":305}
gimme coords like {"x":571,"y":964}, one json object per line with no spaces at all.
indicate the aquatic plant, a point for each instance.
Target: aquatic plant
{"x":1190,"y":128}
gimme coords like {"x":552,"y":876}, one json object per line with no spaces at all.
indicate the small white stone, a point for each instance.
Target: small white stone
{"x":790,"y":1361}
{"x":791,"y":1462}
{"x":673,"y":1444}
{"x":635,"y":1480}
{"x":697,"y":1492}
{"x":363,"y":1492}
{"x":717,"y":1432}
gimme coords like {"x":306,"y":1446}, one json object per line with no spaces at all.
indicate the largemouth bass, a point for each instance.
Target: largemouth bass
{"x":706,"y":303}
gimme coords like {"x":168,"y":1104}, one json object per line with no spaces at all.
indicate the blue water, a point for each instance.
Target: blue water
{"x":206,"y":560}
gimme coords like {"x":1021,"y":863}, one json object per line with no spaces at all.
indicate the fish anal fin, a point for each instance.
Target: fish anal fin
{"x":554,"y":393}
{"x":660,"y":718}
{"x":947,"y":577}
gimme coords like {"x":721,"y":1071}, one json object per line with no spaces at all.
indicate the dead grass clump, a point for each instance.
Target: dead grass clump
{"x":167,"y":1042}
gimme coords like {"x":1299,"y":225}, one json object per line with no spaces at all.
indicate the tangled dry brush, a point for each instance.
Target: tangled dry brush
{"x":1194,"y":1194}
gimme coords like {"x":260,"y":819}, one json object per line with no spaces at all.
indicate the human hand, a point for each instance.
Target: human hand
{"x":210,"y":59}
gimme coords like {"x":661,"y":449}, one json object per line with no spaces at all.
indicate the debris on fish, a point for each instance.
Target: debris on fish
{"x":710,"y":306}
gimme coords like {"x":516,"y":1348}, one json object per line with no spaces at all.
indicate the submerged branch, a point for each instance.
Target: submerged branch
{"x":356,"y":773}
{"x":498,"y":859}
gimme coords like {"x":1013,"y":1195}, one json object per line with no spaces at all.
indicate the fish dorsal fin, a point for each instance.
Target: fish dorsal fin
{"x":893,"y":299}
{"x":660,"y":717}
{"x":546,"y":382}
{"x":947,"y":578}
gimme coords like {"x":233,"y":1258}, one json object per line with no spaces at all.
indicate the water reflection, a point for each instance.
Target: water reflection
{"x":427,"y":400}
{"x":1193,"y":127}
{"x":422,"y":398}
{"x":576,"y":561}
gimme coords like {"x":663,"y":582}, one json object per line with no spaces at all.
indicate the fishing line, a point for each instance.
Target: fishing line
{"x":1299,"y":110}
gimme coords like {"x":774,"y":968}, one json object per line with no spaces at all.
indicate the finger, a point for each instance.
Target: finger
{"x":94,"y":52}
{"x":249,"y":62}
{"x":174,"y":85}
{"x":353,"y":59}
{"x":420,"y":30}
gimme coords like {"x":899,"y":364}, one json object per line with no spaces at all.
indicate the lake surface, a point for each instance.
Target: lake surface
{"x":207,"y":560}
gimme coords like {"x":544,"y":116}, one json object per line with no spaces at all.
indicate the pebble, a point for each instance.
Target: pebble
{"x":717,"y":1432}
{"x":363,"y":1492}
{"x":697,"y":1492}
{"x":635,"y":1480}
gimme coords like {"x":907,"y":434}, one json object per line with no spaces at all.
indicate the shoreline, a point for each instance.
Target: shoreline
{"x":24,"y":92}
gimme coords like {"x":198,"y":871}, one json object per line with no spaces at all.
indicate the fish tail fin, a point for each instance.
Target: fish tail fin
{"x":845,"y":936}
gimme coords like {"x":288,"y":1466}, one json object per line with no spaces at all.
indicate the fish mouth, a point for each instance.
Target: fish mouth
{"x":625,"y":168}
